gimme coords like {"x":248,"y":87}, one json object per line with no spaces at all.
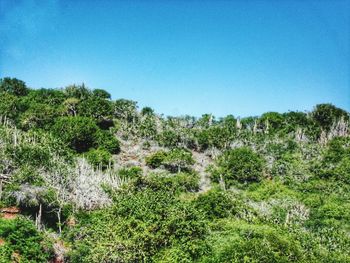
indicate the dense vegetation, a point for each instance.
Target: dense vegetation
{"x":98,"y":180}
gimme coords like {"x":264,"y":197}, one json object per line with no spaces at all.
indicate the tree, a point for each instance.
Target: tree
{"x":238,"y":165}
{"x":125,"y":109}
{"x":9,"y":105}
{"x":13,"y":86}
{"x":71,"y":106}
{"x":178,"y":159}
{"x":99,"y":158}
{"x":98,"y":108}
{"x":39,"y":115}
{"x":78,"y":132}
{"x":156,"y":159}
{"x":80,"y":92}
{"x":147,"y":111}
{"x":107,"y":141}
{"x":52,"y":97}
{"x":101,"y":94}
{"x":326,"y":114}
{"x":215,"y":204}
{"x":271,"y":121}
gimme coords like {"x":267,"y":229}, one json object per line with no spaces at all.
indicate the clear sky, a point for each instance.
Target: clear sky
{"x":184,"y":57}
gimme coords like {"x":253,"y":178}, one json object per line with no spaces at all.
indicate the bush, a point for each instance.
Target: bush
{"x":156,"y":159}
{"x":13,"y":86}
{"x":178,"y":159}
{"x":99,"y":158}
{"x":130,"y":173}
{"x":21,"y":237}
{"x":9,"y":105}
{"x":238,"y":165}
{"x":237,"y":241}
{"x":169,"y":138}
{"x":180,"y":182}
{"x":101,"y":94}
{"x":138,"y":227}
{"x":78,"y":132}
{"x":275,"y":121}
{"x":35,"y":155}
{"x":215,"y":204}
{"x":108,"y":141}
{"x":39,"y":115}
{"x":326,"y":114}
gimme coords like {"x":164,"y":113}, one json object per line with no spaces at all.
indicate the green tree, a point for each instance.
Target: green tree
{"x":99,"y":158}
{"x":107,"y":141}
{"x":13,"y":86}
{"x":178,"y":159}
{"x":9,"y":105}
{"x":326,"y":114}
{"x":96,"y":107}
{"x":271,"y":121}
{"x":156,"y":159}
{"x":78,"y":132}
{"x":147,"y":111}
{"x":125,"y":109}
{"x":80,"y":92}
{"x":238,"y":165}
{"x":101,"y":94}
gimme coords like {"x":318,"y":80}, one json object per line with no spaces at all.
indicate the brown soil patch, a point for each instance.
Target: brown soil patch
{"x":12,"y":210}
{"x":9,"y":212}
{"x":2,"y":241}
{"x":9,"y":216}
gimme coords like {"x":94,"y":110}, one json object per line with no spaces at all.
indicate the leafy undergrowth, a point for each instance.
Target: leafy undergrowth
{"x":106,"y":182}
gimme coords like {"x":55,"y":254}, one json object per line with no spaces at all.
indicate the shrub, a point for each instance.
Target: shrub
{"x":98,"y":108}
{"x":169,"y":138}
{"x":215,"y":204}
{"x":275,"y":120}
{"x":108,"y":141}
{"x":156,"y":159}
{"x":180,"y":182}
{"x":9,"y":105}
{"x":238,"y":165}
{"x":99,"y":158}
{"x":326,"y":114}
{"x":101,"y":94}
{"x":130,"y":173}
{"x":35,"y":155}
{"x":139,"y":226}
{"x":13,"y":86}
{"x":21,"y":237}
{"x":39,"y":115}
{"x":178,"y":159}
{"x":78,"y":132}
{"x":237,"y":241}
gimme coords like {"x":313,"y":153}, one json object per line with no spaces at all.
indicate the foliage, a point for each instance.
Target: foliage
{"x":326,"y":114}
{"x":22,"y":238}
{"x":240,"y":242}
{"x":108,"y":141}
{"x":138,"y":227}
{"x":101,"y":94}
{"x":156,"y":159}
{"x":13,"y":86}
{"x":178,"y":159}
{"x":99,"y":158}
{"x":215,"y":204}
{"x":239,"y":165}
{"x":78,"y":132}
{"x":279,"y":192}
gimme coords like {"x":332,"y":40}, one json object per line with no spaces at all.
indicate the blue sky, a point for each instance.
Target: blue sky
{"x":184,"y":57}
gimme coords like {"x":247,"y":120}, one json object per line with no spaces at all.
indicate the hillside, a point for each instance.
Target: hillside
{"x":84,"y":178}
